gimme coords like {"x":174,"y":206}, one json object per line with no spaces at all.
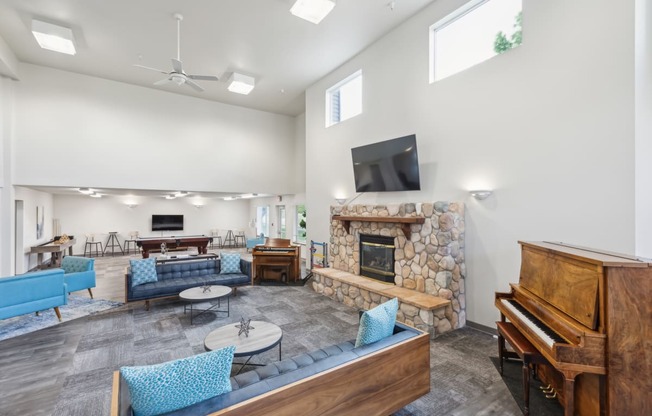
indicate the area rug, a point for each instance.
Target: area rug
{"x":76,"y":308}
{"x":539,"y":404}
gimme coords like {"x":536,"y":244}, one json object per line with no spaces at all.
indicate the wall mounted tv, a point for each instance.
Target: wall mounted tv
{"x":167,"y":222}
{"x":391,"y":165}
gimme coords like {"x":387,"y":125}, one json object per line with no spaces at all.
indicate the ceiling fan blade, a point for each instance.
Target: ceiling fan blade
{"x":176,"y":64}
{"x":204,"y":77}
{"x":194,"y":85}
{"x":163,"y":81}
{"x":150,"y":68}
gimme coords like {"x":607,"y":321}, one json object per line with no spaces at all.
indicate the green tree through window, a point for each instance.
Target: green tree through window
{"x":502,"y":43}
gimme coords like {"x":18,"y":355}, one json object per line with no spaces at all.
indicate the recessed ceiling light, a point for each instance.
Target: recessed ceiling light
{"x":53,"y":37}
{"x":85,"y":191}
{"x":312,"y":10}
{"x":95,"y":195}
{"x":172,"y":196}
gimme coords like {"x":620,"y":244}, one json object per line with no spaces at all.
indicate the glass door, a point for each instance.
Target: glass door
{"x":281,"y":230}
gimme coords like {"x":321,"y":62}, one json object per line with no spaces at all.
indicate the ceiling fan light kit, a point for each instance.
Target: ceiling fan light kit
{"x":54,"y":37}
{"x":178,"y":75}
{"x":241,"y":84}
{"x":312,"y":10}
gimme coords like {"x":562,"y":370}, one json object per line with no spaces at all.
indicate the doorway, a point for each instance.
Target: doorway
{"x":281,"y":230}
{"x":19,"y":255}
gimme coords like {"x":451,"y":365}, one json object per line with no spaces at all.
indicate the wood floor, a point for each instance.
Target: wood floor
{"x":66,"y":369}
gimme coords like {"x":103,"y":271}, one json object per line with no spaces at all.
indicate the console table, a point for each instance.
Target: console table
{"x":57,"y":251}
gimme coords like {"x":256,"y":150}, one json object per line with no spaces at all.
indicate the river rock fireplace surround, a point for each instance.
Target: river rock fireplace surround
{"x":428,"y":251}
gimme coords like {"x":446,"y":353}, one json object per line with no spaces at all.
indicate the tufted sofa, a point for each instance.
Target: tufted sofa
{"x":32,"y":292}
{"x":376,"y":379}
{"x":79,"y":273}
{"x":175,"y":277}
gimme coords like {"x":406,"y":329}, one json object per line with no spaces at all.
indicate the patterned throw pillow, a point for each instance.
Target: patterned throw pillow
{"x":143,"y":271}
{"x":230,"y":263}
{"x":377,"y":323}
{"x":161,"y":388}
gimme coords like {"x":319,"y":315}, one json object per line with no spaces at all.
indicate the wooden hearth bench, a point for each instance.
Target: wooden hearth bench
{"x":412,"y":304}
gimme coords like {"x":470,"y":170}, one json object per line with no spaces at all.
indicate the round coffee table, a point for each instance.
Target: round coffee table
{"x":198,"y":294}
{"x":263,"y":336}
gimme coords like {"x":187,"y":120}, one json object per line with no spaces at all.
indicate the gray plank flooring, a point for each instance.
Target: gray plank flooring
{"x":67,"y":369}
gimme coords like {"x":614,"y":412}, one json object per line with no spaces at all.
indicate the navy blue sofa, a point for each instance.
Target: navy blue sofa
{"x":175,"y":277}
{"x":378,"y":378}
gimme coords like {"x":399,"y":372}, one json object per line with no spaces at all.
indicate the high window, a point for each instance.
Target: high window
{"x":344,"y":99}
{"x":479,"y":30}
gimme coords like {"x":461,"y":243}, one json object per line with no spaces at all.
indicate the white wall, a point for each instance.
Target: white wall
{"x":81,"y":215}
{"x":76,"y":130}
{"x":643,"y":91}
{"x":7,"y":104}
{"x":549,"y":126}
{"x":32,"y":199}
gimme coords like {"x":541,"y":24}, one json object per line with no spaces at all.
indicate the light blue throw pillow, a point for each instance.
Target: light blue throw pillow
{"x":162,"y":388}
{"x":143,"y":271}
{"x":377,"y":323}
{"x":230,"y":263}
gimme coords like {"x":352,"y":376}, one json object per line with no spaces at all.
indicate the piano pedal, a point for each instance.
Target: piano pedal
{"x":551,"y":396}
{"x":548,"y":387}
{"x":548,"y":391}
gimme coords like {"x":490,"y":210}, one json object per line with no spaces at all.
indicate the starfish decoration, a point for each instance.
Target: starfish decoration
{"x":206,"y":289}
{"x":244,"y":326}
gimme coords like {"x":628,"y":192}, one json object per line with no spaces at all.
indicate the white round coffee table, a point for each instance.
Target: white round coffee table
{"x":199,"y":294}
{"x":262,"y":337}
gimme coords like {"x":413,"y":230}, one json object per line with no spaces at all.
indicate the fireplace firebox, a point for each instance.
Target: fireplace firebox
{"x":377,"y":257}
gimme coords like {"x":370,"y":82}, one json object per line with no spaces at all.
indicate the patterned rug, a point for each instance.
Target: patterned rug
{"x":76,"y":308}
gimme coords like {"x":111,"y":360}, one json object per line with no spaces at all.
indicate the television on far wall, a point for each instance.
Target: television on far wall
{"x":391,"y":165}
{"x":167,"y":222}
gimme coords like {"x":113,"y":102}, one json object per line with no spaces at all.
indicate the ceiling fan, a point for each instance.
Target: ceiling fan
{"x":177,"y":75}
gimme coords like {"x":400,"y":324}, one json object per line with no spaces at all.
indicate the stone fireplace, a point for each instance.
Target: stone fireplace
{"x":428,"y":240}
{"x":377,"y":257}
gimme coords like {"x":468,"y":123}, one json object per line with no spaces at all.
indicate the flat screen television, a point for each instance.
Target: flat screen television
{"x":391,"y":165}
{"x":167,"y":222}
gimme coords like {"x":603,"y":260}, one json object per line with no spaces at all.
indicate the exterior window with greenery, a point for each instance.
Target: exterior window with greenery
{"x":300,"y":235}
{"x":477,"y":31}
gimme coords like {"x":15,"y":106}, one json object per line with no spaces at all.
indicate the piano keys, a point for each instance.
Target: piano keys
{"x":588,"y":312}
{"x":276,"y":253}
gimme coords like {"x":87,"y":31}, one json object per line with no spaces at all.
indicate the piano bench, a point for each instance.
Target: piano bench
{"x":524,"y":350}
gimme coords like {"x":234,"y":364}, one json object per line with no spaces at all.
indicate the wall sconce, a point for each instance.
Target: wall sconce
{"x":340,"y":201}
{"x":131,"y":205}
{"x":481,"y":194}
{"x":198,"y":206}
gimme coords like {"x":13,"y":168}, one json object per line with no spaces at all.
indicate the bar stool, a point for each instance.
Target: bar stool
{"x":239,"y":239}
{"x":112,"y":242}
{"x":92,"y":244}
{"x":229,"y":240}
{"x":217,"y":238}
{"x":133,"y":236}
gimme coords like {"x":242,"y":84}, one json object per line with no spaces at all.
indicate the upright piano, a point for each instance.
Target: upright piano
{"x":276,"y":253}
{"x":589,"y":313}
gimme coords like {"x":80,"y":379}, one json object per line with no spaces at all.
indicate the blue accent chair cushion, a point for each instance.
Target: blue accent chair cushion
{"x":79,"y":272}
{"x":377,"y":323}
{"x":143,"y":271}
{"x":230,"y":263}
{"x":161,"y":388}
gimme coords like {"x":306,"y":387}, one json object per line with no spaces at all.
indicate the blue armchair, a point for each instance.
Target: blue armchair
{"x":253,"y":242}
{"x":79,"y":273}
{"x":32,"y":292}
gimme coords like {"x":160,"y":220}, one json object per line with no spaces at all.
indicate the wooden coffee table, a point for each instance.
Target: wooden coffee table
{"x":197,"y":294}
{"x":264,"y":336}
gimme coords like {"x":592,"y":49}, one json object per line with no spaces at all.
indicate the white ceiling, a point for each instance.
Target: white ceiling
{"x":256,"y":37}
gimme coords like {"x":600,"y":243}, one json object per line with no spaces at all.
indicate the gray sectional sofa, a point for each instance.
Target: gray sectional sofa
{"x":175,"y":277}
{"x":376,"y":379}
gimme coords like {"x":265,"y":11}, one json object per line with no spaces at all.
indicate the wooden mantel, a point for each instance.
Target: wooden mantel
{"x":404,"y":222}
